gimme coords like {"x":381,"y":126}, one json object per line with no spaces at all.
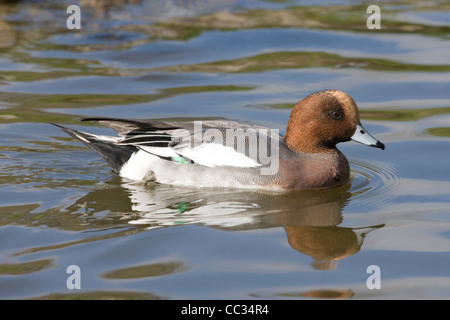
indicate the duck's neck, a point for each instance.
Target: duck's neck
{"x":301,"y":141}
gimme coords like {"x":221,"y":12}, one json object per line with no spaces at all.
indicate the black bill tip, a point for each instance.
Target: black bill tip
{"x":378,"y":145}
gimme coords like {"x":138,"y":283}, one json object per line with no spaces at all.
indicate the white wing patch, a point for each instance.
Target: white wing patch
{"x":216,"y":155}
{"x":206,"y":154}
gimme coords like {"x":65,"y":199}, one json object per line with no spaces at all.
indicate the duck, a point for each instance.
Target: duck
{"x":231,"y":154}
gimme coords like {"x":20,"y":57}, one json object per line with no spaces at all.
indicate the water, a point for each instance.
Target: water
{"x":241,"y":60}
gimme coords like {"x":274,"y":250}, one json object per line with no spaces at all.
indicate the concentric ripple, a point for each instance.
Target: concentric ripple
{"x":373,"y":182}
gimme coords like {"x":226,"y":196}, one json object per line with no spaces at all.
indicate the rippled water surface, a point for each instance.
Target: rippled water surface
{"x":251,"y":61}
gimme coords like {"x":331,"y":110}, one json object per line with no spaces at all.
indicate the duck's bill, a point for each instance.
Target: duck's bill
{"x":362,"y":136}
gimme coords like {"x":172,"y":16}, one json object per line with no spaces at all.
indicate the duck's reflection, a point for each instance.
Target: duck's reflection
{"x":310,"y":218}
{"x":327,"y":245}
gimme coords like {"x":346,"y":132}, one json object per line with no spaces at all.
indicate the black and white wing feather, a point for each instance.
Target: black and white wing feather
{"x":210,"y":143}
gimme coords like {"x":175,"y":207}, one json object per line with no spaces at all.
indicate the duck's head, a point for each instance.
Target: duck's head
{"x":321,"y":120}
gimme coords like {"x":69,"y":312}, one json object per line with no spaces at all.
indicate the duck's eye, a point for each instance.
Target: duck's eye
{"x":336,"y":115}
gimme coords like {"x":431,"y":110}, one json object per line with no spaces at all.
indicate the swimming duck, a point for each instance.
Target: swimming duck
{"x":219,"y":153}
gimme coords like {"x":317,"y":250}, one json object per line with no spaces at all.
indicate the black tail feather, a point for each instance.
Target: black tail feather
{"x":116,"y":155}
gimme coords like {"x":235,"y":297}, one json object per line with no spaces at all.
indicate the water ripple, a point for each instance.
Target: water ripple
{"x":374,"y":182}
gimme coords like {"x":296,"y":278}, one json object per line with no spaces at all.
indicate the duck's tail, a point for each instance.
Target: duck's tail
{"x":116,"y":155}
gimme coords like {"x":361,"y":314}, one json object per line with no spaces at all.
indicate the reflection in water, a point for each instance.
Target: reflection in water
{"x":148,"y":270}
{"x":231,"y":209}
{"x":25,"y":267}
{"x":322,"y":294}
{"x":327,"y":244}
{"x":309,"y":218}
{"x":101,"y":295}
